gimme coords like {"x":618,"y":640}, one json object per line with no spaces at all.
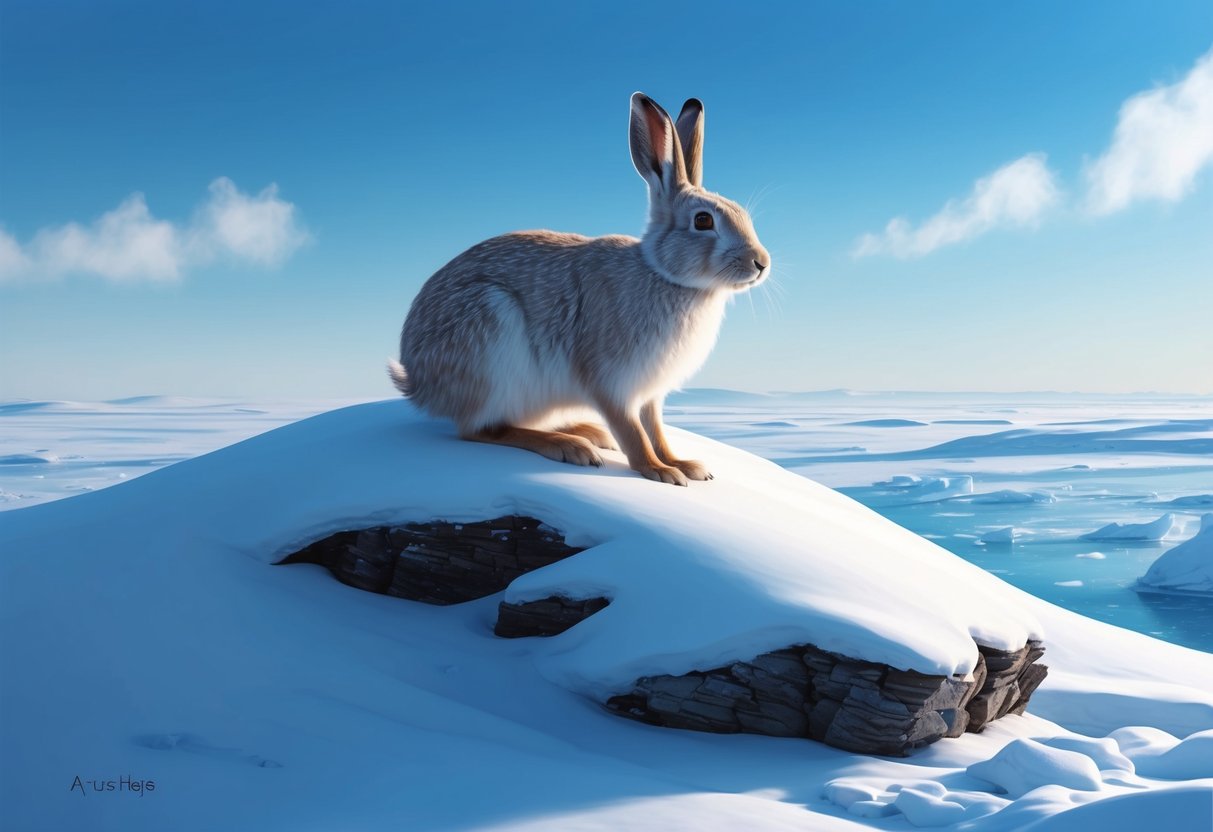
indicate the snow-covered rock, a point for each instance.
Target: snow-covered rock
{"x":1154,"y":530}
{"x":1024,"y":764}
{"x":1186,"y":568}
{"x":800,"y":691}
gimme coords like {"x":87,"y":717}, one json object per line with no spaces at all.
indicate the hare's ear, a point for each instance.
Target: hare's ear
{"x":690,"y":136}
{"x":655,"y":148}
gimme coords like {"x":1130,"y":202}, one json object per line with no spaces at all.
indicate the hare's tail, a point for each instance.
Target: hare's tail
{"x":400,"y":378}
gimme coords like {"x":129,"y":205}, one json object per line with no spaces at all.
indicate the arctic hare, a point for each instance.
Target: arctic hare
{"x":518,"y":330}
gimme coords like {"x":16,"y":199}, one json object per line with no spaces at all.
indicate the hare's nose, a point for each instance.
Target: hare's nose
{"x":762,"y":267}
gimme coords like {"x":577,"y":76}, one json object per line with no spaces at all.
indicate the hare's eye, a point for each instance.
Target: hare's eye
{"x":703,"y":221}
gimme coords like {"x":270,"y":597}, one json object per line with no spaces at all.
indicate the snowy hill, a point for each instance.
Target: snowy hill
{"x":147,"y":635}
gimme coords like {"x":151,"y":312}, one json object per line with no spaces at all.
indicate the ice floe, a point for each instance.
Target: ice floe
{"x":1154,"y":530}
{"x":1186,"y":568}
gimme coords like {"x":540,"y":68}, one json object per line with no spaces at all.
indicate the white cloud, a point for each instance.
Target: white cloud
{"x":129,"y":244}
{"x":1163,"y":139}
{"x":1016,"y":194}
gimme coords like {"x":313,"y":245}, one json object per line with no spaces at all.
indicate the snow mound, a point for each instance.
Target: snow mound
{"x":1162,"y":756}
{"x":925,"y":803}
{"x":1092,"y":555}
{"x":1185,"y":807}
{"x":1154,"y":530}
{"x":922,"y":808}
{"x":756,"y":560}
{"x":1103,"y":751}
{"x":1186,"y":568}
{"x":1024,"y":764}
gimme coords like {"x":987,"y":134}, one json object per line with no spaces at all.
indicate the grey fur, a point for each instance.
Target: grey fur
{"x":521,"y":327}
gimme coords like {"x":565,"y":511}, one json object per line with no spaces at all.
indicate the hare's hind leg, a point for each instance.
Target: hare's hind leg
{"x":562,"y":447}
{"x":597,"y":435}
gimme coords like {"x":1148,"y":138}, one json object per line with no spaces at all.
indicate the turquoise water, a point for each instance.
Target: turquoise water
{"x":1049,"y":568}
{"x":1089,"y":462}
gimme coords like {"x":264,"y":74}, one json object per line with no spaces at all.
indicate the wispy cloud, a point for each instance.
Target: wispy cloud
{"x":128,"y":244}
{"x":1017,"y":194}
{"x":1163,"y":139}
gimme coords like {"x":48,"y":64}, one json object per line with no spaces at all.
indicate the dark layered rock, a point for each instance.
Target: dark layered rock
{"x":855,"y":705}
{"x":800,"y":691}
{"x":438,"y":562}
{"x":1010,"y":680}
{"x":545,"y":617}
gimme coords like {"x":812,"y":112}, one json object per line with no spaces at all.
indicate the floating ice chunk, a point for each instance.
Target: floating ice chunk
{"x":906,"y":490}
{"x":36,"y":458}
{"x":1067,"y":583}
{"x":1193,"y":501}
{"x":1103,"y":751}
{"x":887,"y":423}
{"x":1000,"y":536}
{"x":1092,"y":555}
{"x":1154,"y":530}
{"x":1023,"y":765}
{"x":1009,"y":495}
{"x":923,"y":809}
{"x":1188,"y":567}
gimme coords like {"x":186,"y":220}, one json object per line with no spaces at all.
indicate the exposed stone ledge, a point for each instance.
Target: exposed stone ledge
{"x":855,"y":705}
{"x":438,"y":562}
{"x":546,"y":617}
{"x":800,"y":691}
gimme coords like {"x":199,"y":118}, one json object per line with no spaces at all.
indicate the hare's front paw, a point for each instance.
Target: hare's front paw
{"x":574,"y":449}
{"x":663,"y":473}
{"x":693,"y":468}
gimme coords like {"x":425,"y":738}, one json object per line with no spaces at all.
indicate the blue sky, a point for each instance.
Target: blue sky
{"x":1052,"y":237}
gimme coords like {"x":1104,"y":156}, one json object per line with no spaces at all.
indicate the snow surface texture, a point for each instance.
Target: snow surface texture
{"x":146,"y":636}
{"x":1028,"y":778}
{"x":1186,"y":568}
